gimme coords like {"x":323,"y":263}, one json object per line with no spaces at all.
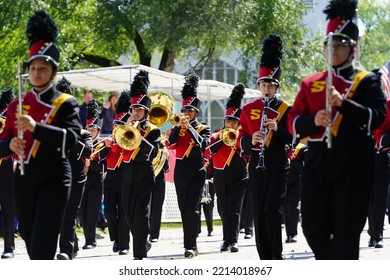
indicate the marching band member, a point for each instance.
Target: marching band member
{"x":7,"y":190}
{"x":230,"y":172}
{"x":263,"y":135}
{"x":337,"y":180}
{"x":51,"y":127}
{"x":379,"y":193}
{"x":77,"y":155}
{"x":113,"y":210}
{"x":189,"y":139}
{"x":138,"y":174}
{"x":296,"y":157}
{"x":96,"y":166}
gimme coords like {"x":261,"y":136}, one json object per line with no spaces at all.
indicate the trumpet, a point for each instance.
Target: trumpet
{"x":176,"y":119}
{"x":229,"y":136}
{"x":263,"y":129}
{"x":127,"y":136}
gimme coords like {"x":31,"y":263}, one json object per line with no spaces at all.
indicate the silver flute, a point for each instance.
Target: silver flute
{"x":329,"y":84}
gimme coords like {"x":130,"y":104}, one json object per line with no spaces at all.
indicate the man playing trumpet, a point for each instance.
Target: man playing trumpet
{"x":138,"y":177}
{"x":189,"y":139}
{"x":230,"y":172}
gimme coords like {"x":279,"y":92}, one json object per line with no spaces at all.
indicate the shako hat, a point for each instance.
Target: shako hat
{"x":139,"y":91}
{"x":342,"y":20}
{"x":122,"y":108}
{"x":42,"y":33}
{"x":7,"y":95}
{"x":189,"y":93}
{"x":93,"y":119}
{"x":270,"y":60}
{"x":63,"y":85}
{"x":233,"y":105}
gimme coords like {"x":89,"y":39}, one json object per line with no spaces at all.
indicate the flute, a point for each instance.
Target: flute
{"x":329,"y":84}
{"x":20,"y":112}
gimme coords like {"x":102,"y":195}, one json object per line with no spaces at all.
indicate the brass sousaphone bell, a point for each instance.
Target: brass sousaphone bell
{"x":2,"y":124}
{"x":159,"y":114}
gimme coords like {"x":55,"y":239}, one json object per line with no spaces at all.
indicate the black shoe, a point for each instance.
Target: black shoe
{"x":291,"y":239}
{"x":138,"y":258}
{"x":190,"y":253}
{"x":210,"y":233}
{"x":148,"y":245}
{"x":226,"y":246}
{"x":371,"y":242}
{"x":248,"y":236}
{"x":7,"y":255}
{"x":115,"y":247}
{"x":153,"y":240}
{"x":89,"y":246}
{"x":234,"y":247}
{"x":123,"y":252}
{"x":281,"y":257}
{"x":379,"y":244}
{"x":63,"y":257}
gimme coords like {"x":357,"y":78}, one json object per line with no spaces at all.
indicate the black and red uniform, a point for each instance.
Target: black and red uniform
{"x":379,"y":193}
{"x":68,"y":240}
{"x":336,"y":182}
{"x":267,"y":186}
{"x":293,"y":193}
{"x":117,"y":226}
{"x":190,"y":175}
{"x":41,"y":193}
{"x":230,"y":181}
{"x":137,"y":184}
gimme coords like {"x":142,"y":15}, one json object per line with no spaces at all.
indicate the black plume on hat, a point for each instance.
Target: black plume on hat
{"x":123,"y":104}
{"x":341,"y":8}
{"x":140,"y":84}
{"x":63,"y":85}
{"x":190,"y":86}
{"x":236,"y":96}
{"x":342,"y":16}
{"x":272,"y":52}
{"x":7,"y":95}
{"x":41,"y":27}
{"x":92,"y":109}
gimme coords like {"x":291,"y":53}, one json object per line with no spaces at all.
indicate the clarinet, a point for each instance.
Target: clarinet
{"x":263,"y":129}
{"x":20,"y":112}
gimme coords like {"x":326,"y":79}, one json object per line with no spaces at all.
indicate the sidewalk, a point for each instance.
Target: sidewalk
{"x":170,"y":247}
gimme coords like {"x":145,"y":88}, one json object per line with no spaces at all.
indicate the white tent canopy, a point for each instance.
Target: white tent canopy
{"x":119,"y":78}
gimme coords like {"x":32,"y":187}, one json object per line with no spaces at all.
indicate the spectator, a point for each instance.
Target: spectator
{"x":83,"y":108}
{"x":108,"y":113}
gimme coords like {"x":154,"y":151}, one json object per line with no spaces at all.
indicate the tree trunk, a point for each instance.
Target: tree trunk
{"x":145,"y":57}
{"x":99,"y":60}
{"x":167,"y":63}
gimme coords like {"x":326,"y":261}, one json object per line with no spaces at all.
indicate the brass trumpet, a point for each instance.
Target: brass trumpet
{"x":229,"y":136}
{"x":127,"y":136}
{"x":176,"y":119}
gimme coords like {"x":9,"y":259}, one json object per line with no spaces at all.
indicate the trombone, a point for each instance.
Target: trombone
{"x":228,"y":136}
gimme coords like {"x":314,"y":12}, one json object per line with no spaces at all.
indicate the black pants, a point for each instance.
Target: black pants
{"x":267,"y":189}
{"x":136,"y":188}
{"x":230,"y":192}
{"x":41,"y":197}
{"x":377,"y":207}
{"x":7,"y":203}
{"x":208,"y":209}
{"x":157,"y":201}
{"x":90,"y":206}
{"x":68,"y":239}
{"x":291,"y":203}
{"x":246,"y":217}
{"x":189,"y":178}
{"x":117,"y":226}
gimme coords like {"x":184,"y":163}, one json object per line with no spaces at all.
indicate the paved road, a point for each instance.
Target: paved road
{"x":170,"y":247}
